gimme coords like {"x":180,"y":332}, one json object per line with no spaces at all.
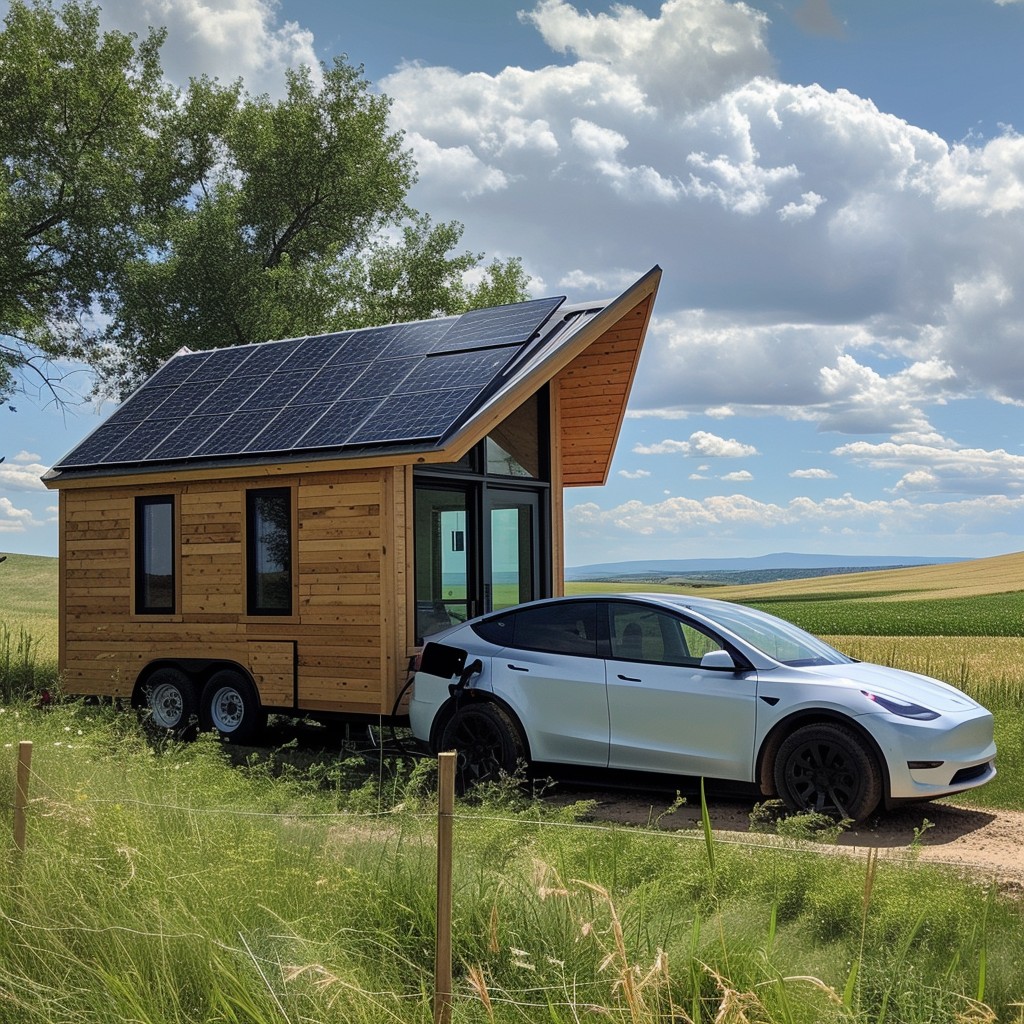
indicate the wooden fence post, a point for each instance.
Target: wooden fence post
{"x":443,"y":939}
{"x":21,"y":792}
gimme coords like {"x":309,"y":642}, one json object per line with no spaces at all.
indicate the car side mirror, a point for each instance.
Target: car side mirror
{"x":718,"y":659}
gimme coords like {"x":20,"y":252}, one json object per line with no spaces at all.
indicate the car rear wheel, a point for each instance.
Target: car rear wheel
{"x":230,"y":705}
{"x":827,"y":768}
{"x":169,"y":701}
{"x":487,"y":742}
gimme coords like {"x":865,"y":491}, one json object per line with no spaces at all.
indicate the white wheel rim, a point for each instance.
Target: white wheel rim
{"x":227,"y":709}
{"x":167,"y":705}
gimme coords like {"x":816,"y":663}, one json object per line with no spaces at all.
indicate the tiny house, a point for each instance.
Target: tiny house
{"x":275,"y":527}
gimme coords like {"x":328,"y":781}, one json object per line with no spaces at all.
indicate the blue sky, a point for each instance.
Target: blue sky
{"x":833,"y":188}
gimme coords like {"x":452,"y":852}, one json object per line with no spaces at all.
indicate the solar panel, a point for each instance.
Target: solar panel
{"x":419,"y":417}
{"x":186,"y":437}
{"x":458,"y":370}
{"x":499,"y":325}
{"x":379,"y":385}
{"x":335,"y":428}
{"x":143,"y":438}
{"x":285,"y":430}
{"x":177,"y":369}
{"x":231,"y":394}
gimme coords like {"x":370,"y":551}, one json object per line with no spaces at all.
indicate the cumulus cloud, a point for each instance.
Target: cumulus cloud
{"x":941,"y":469}
{"x":22,"y":472}
{"x":700,"y":445}
{"x":738,"y":476}
{"x":718,"y":517}
{"x":803,"y":227}
{"x":228,"y":39}
{"x":812,"y":474}
{"x":14,"y":519}
{"x":693,"y":51}
{"x":636,"y":474}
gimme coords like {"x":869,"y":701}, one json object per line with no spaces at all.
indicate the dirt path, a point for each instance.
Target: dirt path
{"x":986,"y":845}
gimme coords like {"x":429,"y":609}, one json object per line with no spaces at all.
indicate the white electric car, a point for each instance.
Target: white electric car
{"x":694,"y":687}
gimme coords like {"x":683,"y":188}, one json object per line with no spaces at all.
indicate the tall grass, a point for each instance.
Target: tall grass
{"x":161,"y":883}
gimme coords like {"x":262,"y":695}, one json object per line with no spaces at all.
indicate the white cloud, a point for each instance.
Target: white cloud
{"x":637,"y":474}
{"x":226,"y":38}
{"x":14,"y":519}
{"x":804,"y":209}
{"x":941,"y":469}
{"x":800,"y":226}
{"x":738,"y":476}
{"x":701,"y":444}
{"x":717,"y":518}
{"x":812,"y":474}
{"x":692,"y":52}
{"x":22,"y":472}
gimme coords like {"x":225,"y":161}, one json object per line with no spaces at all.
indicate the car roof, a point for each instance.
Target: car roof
{"x":675,"y":602}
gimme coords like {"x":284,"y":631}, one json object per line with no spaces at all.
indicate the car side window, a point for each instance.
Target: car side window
{"x":638,"y":633}
{"x":498,"y":629}
{"x":569,"y":628}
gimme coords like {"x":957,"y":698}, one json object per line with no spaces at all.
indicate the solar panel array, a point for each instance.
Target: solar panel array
{"x":406,"y":383}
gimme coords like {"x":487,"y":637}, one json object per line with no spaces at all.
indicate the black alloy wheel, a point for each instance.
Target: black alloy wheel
{"x":827,"y":768}
{"x":487,"y":741}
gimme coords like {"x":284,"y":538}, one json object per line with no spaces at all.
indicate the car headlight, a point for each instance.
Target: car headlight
{"x":903,"y":708}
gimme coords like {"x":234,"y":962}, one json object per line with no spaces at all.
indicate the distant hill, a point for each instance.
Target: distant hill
{"x":763,"y":568}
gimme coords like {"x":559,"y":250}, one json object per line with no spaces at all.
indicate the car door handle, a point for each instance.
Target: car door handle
{"x":630,"y":679}
{"x":519,"y":668}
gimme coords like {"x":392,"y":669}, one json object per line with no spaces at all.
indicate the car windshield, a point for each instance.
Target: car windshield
{"x":775,"y":637}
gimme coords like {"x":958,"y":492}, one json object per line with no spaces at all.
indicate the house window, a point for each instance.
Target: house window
{"x":269,"y":551}
{"x":154,"y":555}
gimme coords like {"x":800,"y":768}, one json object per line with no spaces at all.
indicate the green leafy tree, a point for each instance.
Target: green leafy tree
{"x":77,"y":173}
{"x":207,"y":217}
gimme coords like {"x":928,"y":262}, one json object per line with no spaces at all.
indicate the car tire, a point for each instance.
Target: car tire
{"x":229,"y":704}
{"x":487,"y":741}
{"x":826,"y":767}
{"x":169,"y":702}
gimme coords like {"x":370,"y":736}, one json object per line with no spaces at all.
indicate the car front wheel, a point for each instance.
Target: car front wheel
{"x":487,"y":742}
{"x":827,"y":768}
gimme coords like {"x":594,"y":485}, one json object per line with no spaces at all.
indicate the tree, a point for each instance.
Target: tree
{"x":202,"y":218}
{"x":76,"y":176}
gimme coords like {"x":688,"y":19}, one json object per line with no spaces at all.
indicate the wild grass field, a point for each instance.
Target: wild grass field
{"x":166,"y":882}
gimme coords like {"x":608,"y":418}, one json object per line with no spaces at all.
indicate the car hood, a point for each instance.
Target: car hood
{"x":894,"y":682}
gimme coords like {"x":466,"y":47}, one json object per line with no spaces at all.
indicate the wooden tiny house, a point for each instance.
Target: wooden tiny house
{"x":274,"y":527}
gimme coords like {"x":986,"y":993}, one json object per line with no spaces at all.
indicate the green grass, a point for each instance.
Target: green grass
{"x":28,"y":626}
{"x":162,"y":883}
{"x":166,"y":883}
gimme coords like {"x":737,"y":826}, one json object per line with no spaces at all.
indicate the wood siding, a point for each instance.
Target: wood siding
{"x":344,"y":647}
{"x":592,"y":392}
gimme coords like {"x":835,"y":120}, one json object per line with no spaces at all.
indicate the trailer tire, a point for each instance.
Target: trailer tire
{"x":229,"y":704}
{"x":170,"y":703}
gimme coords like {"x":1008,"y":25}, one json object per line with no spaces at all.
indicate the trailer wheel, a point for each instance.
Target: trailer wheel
{"x":229,"y":704}
{"x":169,"y":701}
{"x":487,"y":742}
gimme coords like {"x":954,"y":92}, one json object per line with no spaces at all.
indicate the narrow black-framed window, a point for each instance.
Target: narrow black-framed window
{"x":155,"y":583}
{"x":269,"y":551}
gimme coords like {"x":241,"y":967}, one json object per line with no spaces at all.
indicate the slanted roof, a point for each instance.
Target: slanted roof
{"x":430,"y":388}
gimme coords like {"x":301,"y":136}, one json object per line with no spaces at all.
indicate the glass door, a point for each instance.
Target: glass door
{"x":511,"y":568}
{"x":444,"y":581}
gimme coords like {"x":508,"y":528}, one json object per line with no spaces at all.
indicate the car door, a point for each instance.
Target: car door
{"x":554,"y":680}
{"x":667,"y":713}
